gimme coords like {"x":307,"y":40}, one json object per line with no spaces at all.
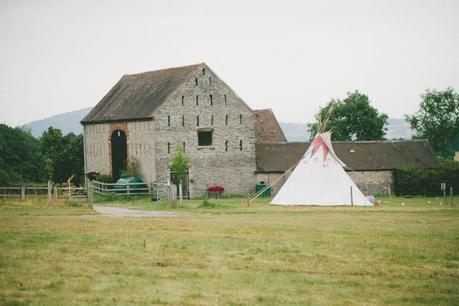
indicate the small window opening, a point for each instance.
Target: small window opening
{"x":210,"y":81}
{"x":203,"y":71}
{"x":197,"y":120}
{"x":183,"y":146}
{"x":196,"y":81}
{"x":226,"y":146}
{"x":168,"y":148}
{"x":240,"y":145}
{"x":197,"y":100}
{"x":212,"y":120}
{"x":183,"y":120}
{"x":183,"y":100}
{"x":168,"y":120}
{"x":226,"y":119}
{"x":205,"y":138}
{"x":226,"y":102}
{"x":240,"y":119}
{"x":211,"y":100}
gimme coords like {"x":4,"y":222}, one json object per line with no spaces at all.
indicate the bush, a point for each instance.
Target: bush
{"x":207,"y":204}
{"x":104,"y":178}
{"x":132,"y":168}
{"x":418,"y":181}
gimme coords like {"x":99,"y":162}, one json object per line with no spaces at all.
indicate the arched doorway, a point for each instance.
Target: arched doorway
{"x":119,"y":153}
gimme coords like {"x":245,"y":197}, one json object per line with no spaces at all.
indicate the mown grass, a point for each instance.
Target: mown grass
{"x":224,"y":252}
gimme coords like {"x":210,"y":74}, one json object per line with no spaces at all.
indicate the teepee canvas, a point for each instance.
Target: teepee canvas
{"x":319,"y":179}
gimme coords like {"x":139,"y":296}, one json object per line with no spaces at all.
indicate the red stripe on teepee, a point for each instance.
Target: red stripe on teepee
{"x":317,"y":143}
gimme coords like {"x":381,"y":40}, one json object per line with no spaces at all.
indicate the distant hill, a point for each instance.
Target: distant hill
{"x":66,"y":122}
{"x":70,"y":122}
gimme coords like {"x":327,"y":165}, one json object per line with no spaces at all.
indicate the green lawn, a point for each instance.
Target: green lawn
{"x":231,"y":254}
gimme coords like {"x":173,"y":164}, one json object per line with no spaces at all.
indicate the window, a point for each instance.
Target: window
{"x":240,"y":119}
{"x":226,"y":146}
{"x":183,"y":100}
{"x":226,"y":102}
{"x":197,"y":100}
{"x":168,"y":148}
{"x":226,"y":119}
{"x":210,"y":81}
{"x":168,"y":120}
{"x":212,"y":120}
{"x":205,"y":138}
{"x":211,"y":100}
{"x":203,"y":71}
{"x":183,"y":120}
{"x":197,"y":120}
{"x":183,"y":145}
{"x":196,"y":81}
{"x":240,"y":145}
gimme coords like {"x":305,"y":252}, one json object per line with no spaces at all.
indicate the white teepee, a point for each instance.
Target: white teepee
{"x":319,"y":179}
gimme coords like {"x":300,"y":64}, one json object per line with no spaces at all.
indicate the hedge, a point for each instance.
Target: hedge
{"x":418,"y":181}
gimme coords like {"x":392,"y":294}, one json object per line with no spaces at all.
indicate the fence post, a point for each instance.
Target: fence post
{"x":50,"y":200}
{"x":90,"y":193}
{"x":23,"y":193}
{"x":451,"y":194}
{"x":127,"y":187}
{"x":352,"y":197}
{"x":55,"y":192}
{"x":180,"y":193}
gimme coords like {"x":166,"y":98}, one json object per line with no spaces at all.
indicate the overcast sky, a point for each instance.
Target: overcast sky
{"x":291,"y":56}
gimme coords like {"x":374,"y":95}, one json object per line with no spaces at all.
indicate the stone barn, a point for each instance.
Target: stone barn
{"x":148,"y":116}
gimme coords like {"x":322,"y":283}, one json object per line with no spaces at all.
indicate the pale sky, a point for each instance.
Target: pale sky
{"x":291,"y":56}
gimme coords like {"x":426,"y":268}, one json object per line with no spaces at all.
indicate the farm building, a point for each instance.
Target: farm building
{"x":369,"y":163}
{"x":148,"y":116}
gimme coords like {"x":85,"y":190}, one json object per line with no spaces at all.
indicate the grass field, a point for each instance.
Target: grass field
{"x":227,"y":253}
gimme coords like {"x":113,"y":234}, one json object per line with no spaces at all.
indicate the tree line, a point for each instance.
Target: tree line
{"x":53,"y":156}
{"x":58,"y":157}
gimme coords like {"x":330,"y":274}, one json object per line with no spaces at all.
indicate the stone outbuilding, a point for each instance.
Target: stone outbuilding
{"x":370,"y":164}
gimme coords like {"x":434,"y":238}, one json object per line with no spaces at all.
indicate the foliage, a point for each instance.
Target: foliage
{"x":207,"y":204}
{"x":104,"y":178}
{"x":438,"y":120}
{"x":63,"y":156}
{"x":417,"y":181}
{"x":352,"y":118}
{"x":132,"y":168}
{"x":20,"y":157}
{"x":179,"y":165}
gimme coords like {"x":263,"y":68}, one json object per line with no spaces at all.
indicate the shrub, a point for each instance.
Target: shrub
{"x":104,"y":178}
{"x":418,"y":181}
{"x":207,"y":204}
{"x":132,"y":168}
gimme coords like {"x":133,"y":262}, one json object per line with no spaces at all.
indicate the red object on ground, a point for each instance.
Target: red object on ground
{"x":216,"y":188}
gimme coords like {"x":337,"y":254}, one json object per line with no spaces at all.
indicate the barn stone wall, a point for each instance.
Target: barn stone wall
{"x":373,"y":182}
{"x":97,"y":148}
{"x":139,"y":141}
{"x":223,"y":163}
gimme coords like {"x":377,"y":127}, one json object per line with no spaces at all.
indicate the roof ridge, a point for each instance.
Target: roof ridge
{"x":162,"y":69}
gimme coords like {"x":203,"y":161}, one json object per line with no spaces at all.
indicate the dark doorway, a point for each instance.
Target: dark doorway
{"x":119,"y":153}
{"x":185,"y":184}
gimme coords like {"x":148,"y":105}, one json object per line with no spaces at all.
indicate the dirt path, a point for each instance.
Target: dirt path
{"x":124,"y":212}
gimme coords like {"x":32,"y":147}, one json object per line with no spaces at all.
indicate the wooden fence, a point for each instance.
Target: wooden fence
{"x":124,"y":189}
{"x":56,"y":192}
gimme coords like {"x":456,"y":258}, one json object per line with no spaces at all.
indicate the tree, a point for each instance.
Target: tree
{"x":352,"y":118}
{"x":63,"y":156}
{"x":437,"y":120}
{"x":20,"y":157}
{"x":179,"y":165}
